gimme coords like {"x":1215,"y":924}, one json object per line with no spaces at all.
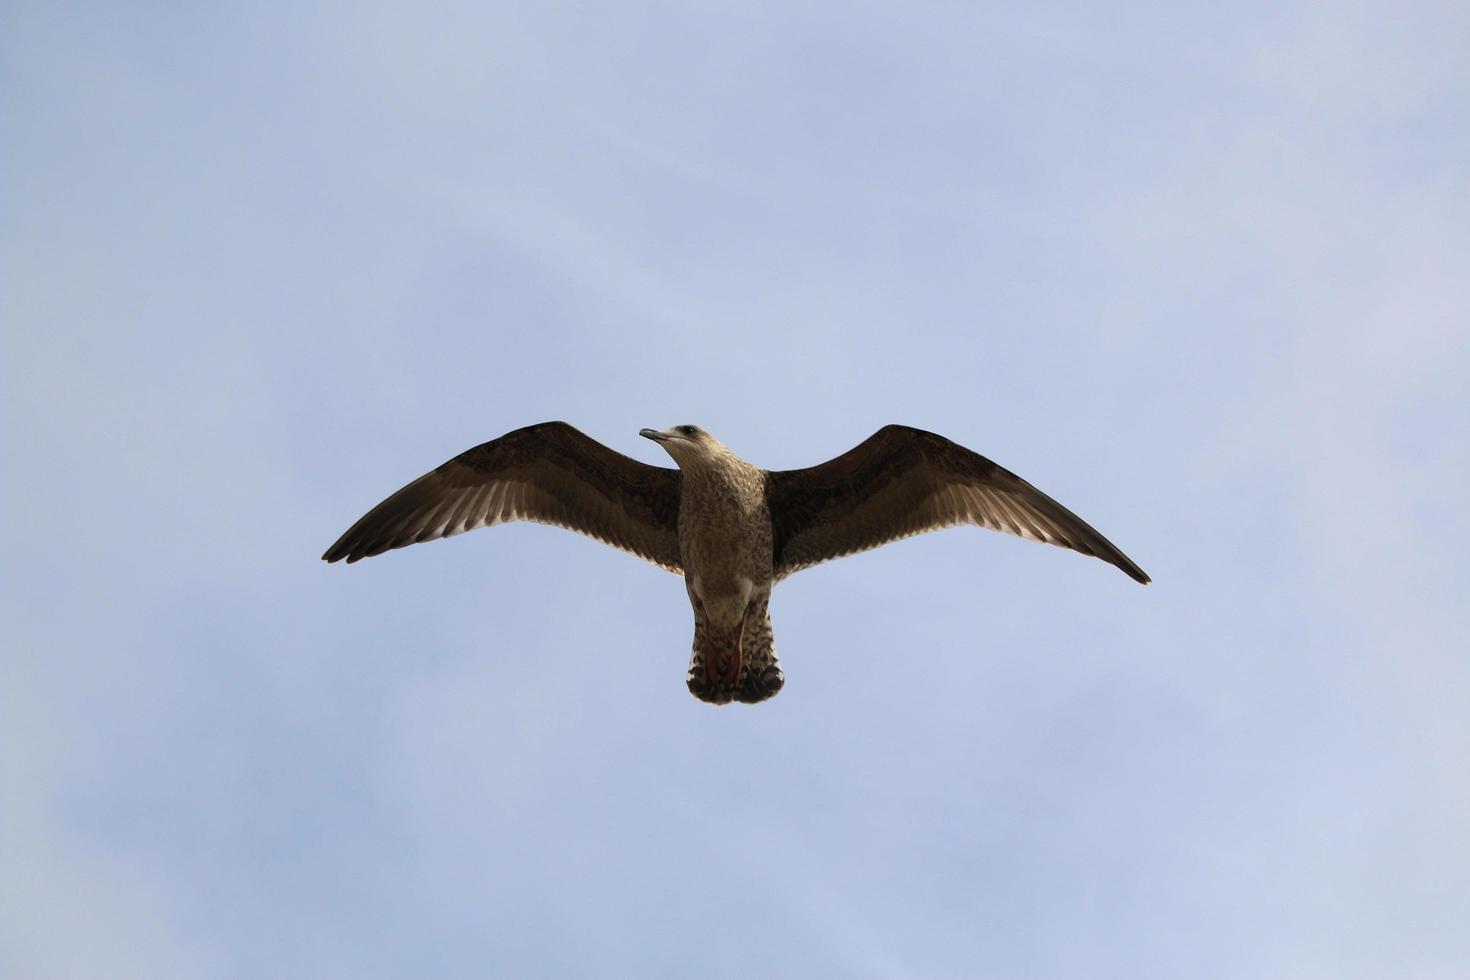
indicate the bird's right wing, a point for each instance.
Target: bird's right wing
{"x":903,"y":481}
{"x":548,"y":473}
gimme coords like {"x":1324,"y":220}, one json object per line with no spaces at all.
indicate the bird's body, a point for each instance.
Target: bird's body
{"x":724,"y":536}
{"x":731,"y":529}
{"x":726,"y":545}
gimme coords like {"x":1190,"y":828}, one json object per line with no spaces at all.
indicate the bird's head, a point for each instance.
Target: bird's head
{"x":690,"y":445}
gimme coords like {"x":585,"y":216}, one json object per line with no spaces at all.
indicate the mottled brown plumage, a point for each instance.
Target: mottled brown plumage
{"x":548,"y":473}
{"x":732,"y":530}
{"x":725,"y":541}
{"x":903,"y":481}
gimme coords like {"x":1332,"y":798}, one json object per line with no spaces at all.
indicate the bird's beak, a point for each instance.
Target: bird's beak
{"x":654,"y":434}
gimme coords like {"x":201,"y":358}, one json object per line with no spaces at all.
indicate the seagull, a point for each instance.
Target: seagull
{"x":731,"y":529}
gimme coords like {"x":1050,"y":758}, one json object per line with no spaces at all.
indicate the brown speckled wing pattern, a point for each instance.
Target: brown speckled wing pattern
{"x":903,"y":481}
{"x":548,"y":473}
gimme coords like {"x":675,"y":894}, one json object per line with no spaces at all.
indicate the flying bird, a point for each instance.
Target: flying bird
{"x":730,"y":529}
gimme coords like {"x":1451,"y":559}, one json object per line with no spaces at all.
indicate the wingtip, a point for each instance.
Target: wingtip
{"x":345,"y":550}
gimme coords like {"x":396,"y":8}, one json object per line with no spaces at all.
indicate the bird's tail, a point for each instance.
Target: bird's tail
{"x":713,"y":675}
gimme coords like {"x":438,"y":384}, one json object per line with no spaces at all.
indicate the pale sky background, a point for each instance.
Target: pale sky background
{"x":1201,"y":271}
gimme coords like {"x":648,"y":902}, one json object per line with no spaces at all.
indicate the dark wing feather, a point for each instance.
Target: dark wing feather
{"x":548,"y":473}
{"x":904,"y":481}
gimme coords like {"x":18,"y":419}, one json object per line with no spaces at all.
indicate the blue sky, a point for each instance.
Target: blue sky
{"x":1197,"y":271}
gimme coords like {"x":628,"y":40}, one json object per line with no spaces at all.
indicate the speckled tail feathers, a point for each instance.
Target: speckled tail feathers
{"x":714,"y":651}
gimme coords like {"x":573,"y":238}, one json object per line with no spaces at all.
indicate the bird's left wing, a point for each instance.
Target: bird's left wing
{"x":903,"y":481}
{"x":548,"y":473}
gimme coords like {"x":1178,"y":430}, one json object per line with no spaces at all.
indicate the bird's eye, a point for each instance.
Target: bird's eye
{"x":688,"y":430}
